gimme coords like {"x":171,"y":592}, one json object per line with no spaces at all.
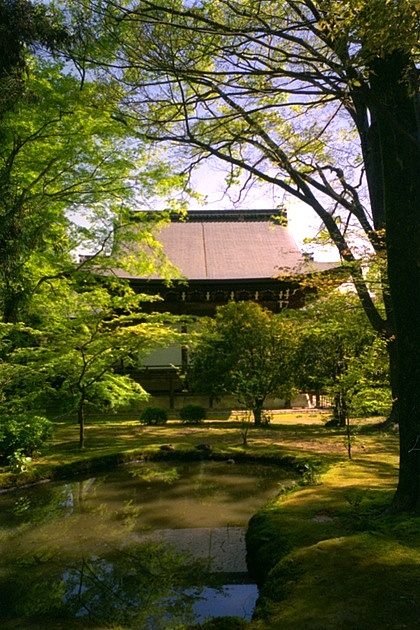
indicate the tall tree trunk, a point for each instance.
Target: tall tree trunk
{"x":393,"y":377}
{"x":395,"y":102}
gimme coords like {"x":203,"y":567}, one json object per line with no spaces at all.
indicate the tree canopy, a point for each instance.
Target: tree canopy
{"x":339,"y":354}
{"x":245,"y":351}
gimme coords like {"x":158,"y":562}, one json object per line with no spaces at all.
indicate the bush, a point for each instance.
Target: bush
{"x":18,"y":462}
{"x":23,"y":433}
{"x":193,"y":414}
{"x":153,"y":415}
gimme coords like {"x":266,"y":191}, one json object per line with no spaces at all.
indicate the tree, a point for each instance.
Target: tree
{"x":68,"y":180}
{"x":23,"y":425}
{"x":23,"y":25}
{"x":361,"y":387}
{"x":333,"y":333}
{"x":317,"y":98}
{"x":70,"y":176}
{"x":245,"y":351}
{"x":85,"y":344}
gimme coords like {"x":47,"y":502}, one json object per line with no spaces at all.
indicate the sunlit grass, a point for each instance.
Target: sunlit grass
{"x":113,"y":440}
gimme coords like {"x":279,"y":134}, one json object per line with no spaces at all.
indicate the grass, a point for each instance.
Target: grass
{"x":328,"y":555}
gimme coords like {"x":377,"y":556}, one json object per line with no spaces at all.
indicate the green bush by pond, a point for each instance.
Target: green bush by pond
{"x":23,"y":433}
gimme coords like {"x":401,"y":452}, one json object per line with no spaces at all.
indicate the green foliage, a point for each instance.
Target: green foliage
{"x":372,"y":401}
{"x":114,"y":392}
{"x":154,"y":415}
{"x":106,"y":336}
{"x":70,"y":176}
{"x":310,"y":473}
{"x":23,"y":435}
{"x":331,"y":332}
{"x":23,"y":25}
{"x":18,"y":462}
{"x":193,"y":414}
{"x":364,"y":384}
{"x":338,"y":353}
{"x":80,"y":357}
{"x":245,"y":351}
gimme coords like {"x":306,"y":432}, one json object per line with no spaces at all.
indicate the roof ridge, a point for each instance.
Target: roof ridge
{"x":231,"y":215}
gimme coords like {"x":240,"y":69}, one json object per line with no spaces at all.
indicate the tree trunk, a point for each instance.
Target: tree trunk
{"x":395,"y":100}
{"x":340,"y":409}
{"x":393,"y":377}
{"x":81,"y":420}
{"x":257,"y":411}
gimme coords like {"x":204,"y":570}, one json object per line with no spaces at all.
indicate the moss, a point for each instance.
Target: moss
{"x":361,"y":582}
{"x":344,"y":562}
{"x":265,"y":544}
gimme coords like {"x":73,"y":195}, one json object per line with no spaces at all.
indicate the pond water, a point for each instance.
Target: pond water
{"x":149,"y":546}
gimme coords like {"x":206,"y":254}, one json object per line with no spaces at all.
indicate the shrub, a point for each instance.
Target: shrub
{"x":193,"y":414}
{"x":18,"y":462}
{"x":372,"y":401}
{"x":153,"y":415}
{"x":23,"y":433}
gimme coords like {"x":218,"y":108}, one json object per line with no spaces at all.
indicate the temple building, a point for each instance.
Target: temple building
{"x":224,"y":256}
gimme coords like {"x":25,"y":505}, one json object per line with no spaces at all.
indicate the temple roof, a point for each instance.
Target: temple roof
{"x":232,"y":245}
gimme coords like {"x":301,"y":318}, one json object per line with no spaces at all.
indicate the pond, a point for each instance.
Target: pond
{"x":145,"y":546}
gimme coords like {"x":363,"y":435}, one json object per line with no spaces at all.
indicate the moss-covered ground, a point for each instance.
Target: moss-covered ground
{"x":327,"y":555}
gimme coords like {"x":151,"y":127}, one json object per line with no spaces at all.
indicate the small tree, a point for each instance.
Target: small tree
{"x":332,"y":332}
{"x":245,"y":351}
{"x":90,"y":341}
{"x":364,"y":387}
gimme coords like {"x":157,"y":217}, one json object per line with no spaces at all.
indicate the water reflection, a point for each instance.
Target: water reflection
{"x":140,"y":586}
{"x":131,"y":548}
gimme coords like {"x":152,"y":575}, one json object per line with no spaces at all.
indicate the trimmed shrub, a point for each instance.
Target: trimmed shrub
{"x":193,"y":414}
{"x":23,"y":433}
{"x":153,"y":416}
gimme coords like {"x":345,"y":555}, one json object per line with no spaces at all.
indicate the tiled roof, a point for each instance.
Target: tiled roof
{"x":226,"y":245}
{"x":231,"y":250}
